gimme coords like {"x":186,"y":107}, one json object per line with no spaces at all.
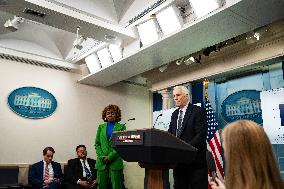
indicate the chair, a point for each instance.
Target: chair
{"x":9,"y":177}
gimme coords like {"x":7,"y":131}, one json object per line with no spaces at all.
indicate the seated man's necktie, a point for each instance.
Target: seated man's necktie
{"x":88,"y":172}
{"x":46,"y":172}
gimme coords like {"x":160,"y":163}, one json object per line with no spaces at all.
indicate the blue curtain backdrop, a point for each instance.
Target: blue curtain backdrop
{"x":157,"y":102}
{"x":197,"y":93}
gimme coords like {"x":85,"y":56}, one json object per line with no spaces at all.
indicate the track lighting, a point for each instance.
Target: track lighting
{"x":208,"y":50}
{"x":79,"y":40}
{"x":256,"y":35}
{"x":252,"y":37}
{"x":13,"y":24}
{"x":163,"y":68}
{"x":197,"y":60}
{"x":180,"y":61}
{"x":189,"y":60}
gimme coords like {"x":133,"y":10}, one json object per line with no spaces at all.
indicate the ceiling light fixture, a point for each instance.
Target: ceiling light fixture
{"x":189,"y":61}
{"x":252,"y":37}
{"x":13,"y":24}
{"x":163,"y":68}
{"x":79,"y":40}
{"x":197,"y":59}
{"x":180,"y":61}
{"x":256,"y":35}
{"x":208,"y":50}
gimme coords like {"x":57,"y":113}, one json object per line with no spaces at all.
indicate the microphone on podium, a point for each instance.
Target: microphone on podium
{"x":131,"y":119}
{"x":157,"y":119}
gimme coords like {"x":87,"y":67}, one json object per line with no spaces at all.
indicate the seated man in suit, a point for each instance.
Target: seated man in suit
{"x":80,"y":172}
{"x":47,"y":173}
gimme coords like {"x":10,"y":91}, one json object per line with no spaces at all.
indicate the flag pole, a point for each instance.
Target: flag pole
{"x":213,"y":136}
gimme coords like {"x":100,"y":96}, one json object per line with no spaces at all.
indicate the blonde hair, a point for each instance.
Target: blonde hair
{"x":250,"y":161}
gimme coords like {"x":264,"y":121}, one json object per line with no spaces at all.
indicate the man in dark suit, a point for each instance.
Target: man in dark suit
{"x":80,"y":172}
{"x":47,"y":173}
{"x":189,"y":123}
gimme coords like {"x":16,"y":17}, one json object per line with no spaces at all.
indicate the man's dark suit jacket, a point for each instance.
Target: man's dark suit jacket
{"x":193,"y":131}
{"x":36,"y":174}
{"x":74,"y":170}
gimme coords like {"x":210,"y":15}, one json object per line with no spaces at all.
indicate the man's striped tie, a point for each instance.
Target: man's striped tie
{"x":46,"y":172}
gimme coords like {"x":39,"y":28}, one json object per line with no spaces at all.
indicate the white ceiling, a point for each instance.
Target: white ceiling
{"x":53,"y":35}
{"x":50,"y":39}
{"x":235,"y":18}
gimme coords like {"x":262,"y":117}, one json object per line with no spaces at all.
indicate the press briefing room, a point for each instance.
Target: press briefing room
{"x":142,"y":94}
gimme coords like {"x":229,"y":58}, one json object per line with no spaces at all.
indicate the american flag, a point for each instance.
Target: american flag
{"x":214,"y":141}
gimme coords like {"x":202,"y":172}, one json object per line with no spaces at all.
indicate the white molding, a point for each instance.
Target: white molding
{"x":40,"y":58}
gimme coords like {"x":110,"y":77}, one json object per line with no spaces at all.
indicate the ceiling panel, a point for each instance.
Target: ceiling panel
{"x":221,"y":25}
{"x":193,"y":37}
{"x":68,"y":20}
{"x":56,"y":31}
{"x":260,"y":12}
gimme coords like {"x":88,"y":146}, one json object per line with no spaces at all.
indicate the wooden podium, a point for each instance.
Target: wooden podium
{"x":156,"y":175}
{"x":155,"y":150}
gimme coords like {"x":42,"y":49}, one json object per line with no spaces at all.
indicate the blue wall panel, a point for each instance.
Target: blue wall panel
{"x":157,"y":102}
{"x":218,"y":92}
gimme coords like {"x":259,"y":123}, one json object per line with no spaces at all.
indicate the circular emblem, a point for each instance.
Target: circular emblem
{"x":242,"y":105}
{"x":32,"y":102}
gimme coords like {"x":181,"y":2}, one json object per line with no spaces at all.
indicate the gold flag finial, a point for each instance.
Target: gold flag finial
{"x":205,"y":84}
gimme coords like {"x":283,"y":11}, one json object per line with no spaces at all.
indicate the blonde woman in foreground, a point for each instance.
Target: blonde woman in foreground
{"x":250,"y":161}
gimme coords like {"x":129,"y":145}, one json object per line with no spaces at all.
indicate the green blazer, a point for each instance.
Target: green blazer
{"x":104,"y":148}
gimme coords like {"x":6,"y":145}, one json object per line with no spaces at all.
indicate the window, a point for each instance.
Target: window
{"x":93,"y":63}
{"x":148,"y":32}
{"x":203,"y":7}
{"x":105,"y":57}
{"x":116,"y":52}
{"x":169,"y":20}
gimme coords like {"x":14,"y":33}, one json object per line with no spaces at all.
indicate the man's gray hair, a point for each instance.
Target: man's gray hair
{"x":183,"y":89}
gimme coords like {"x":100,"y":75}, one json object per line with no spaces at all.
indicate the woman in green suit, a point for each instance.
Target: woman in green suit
{"x":109,"y":164}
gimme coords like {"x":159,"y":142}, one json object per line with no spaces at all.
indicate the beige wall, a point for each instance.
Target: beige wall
{"x":75,"y":120}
